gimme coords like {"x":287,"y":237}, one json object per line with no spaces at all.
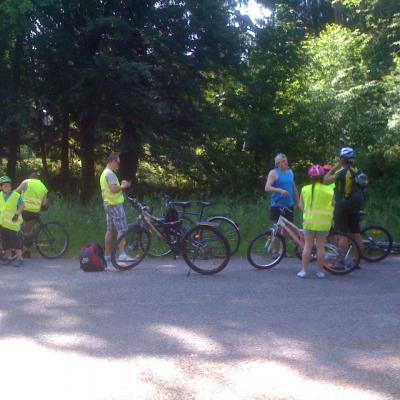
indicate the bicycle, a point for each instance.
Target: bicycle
{"x":204,"y":248}
{"x":268,"y":248}
{"x":51,"y":238}
{"x":226,"y":225}
{"x":377,"y":241}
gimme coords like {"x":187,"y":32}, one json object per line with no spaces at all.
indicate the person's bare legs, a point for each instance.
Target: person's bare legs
{"x":308,"y":245}
{"x":320,"y":243}
{"x":107,"y":243}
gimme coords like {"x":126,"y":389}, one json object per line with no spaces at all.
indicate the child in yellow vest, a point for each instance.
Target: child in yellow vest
{"x":316,"y":202}
{"x":11,"y":206}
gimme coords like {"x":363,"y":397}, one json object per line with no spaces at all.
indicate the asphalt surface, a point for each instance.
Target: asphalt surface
{"x":155,"y":333}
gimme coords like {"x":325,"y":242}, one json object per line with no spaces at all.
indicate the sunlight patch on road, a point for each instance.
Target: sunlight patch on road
{"x":191,"y":341}
{"x":30,"y":370}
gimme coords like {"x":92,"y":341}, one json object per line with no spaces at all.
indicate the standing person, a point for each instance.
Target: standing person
{"x":280,"y":182}
{"x":316,"y":202}
{"x":11,"y":206}
{"x":113,"y":198}
{"x":34,"y":194}
{"x":348,"y":198}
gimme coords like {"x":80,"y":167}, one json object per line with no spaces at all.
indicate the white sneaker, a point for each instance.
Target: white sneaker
{"x":107,"y":258}
{"x":125,"y":258}
{"x":320,"y":274}
{"x":302,"y":274}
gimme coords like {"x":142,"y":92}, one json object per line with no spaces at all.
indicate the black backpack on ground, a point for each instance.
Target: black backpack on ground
{"x":91,"y":258}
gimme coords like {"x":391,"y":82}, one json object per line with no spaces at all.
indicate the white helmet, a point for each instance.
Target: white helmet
{"x":347,"y":152}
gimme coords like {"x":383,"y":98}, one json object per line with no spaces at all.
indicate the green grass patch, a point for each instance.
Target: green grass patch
{"x":86,"y":224}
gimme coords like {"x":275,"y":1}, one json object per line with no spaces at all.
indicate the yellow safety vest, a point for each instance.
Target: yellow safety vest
{"x":317,"y":216}
{"x":109,"y":198}
{"x":8,"y":209}
{"x":33,"y":195}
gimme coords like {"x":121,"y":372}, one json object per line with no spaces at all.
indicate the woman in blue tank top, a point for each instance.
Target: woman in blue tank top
{"x":280,"y":183}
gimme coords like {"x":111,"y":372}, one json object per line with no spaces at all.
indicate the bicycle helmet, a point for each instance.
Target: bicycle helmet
{"x":347,"y":152}
{"x":316,"y":171}
{"x":5,"y":179}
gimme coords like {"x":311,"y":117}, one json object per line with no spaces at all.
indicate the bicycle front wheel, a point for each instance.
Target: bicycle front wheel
{"x":377,"y":243}
{"x":52,"y":240}
{"x":266,"y":250}
{"x":342,"y":254}
{"x":205,"y":250}
{"x":130,"y":248}
{"x":229,"y":229}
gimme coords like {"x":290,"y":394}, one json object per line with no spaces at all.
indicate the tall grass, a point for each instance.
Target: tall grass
{"x":86,"y":224}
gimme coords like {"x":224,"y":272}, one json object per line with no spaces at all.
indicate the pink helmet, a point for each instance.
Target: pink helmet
{"x":315,"y":171}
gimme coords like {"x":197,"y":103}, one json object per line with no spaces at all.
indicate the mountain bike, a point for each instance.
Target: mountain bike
{"x":51,"y":238}
{"x":342,"y":255}
{"x":191,"y":217}
{"x":204,"y":248}
{"x":377,"y":241}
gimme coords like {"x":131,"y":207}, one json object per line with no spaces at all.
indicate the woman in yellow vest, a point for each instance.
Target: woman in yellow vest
{"x":316,"y":202}
{"x":11,"y":206}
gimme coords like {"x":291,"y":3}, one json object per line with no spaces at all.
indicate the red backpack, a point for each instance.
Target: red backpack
{"x":91,"y":258}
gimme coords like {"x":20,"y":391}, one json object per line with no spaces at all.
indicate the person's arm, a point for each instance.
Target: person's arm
{"x":301,"y":203}
{"x":272,"y":177}
{"x":330,"y":176}
{"x":21,"y":188}
{"x":114,"y":188}
{"x":20,"y":208}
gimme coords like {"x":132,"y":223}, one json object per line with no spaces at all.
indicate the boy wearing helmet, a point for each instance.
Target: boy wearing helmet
{"x":316,"y":202}
{"x":348,"y":201}
{"x":11,"y":206}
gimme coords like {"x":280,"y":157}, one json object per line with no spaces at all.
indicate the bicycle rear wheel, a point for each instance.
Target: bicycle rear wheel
{"x":342,"y":254}
{"x":377,"y":243}
{"x":52,"y":239}
{"x":266,"y":250}
{"x":205,"y":249}
{"x":136,"y":243}
{"x":229,"y":229}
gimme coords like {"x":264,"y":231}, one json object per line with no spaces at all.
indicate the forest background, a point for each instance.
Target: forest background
{"x":196,"y":96}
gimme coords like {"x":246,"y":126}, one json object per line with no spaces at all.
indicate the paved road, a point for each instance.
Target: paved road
{"x":154,"y":333}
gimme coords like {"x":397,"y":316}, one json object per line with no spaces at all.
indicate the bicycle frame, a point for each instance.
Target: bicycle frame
{"x":294,"y":232}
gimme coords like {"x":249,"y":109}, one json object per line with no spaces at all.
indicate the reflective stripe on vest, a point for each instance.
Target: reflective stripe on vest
{"x":8,"y":209}
{"x":33,"y":195}
{"x":109,"y":197}
{"x":318,"y":215}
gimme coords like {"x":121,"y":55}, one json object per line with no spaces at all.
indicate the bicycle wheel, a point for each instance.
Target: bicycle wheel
{"x":266,"y":250}
{"x":229,"y":229}
{"x":377,"y":243}
{"x":342,"y":254}
{"x":136,"y":245}
{"x":158,"y":247}
{"x":52,"y":239}
{"x":205,"y":249}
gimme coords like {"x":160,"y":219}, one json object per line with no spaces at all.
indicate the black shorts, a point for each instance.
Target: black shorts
{"x":276,"y":213}
{"x":347,"y":220}
{"x":30,"y":216}
{"x":10,"y":239}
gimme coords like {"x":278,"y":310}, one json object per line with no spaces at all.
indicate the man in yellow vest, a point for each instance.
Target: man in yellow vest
{"x":113,"y":198}
{"x":34,"y":193}
{"x":11,"y":206}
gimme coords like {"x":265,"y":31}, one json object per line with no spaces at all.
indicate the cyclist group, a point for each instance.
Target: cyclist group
{"x":23,"y":204}
{"x":331,"y":196}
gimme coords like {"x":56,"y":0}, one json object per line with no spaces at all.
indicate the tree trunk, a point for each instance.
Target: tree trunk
{"x":87,"y":130}
{"x":65,"y":173}
{"x":130,"y":146}
{"x":13,"y":131}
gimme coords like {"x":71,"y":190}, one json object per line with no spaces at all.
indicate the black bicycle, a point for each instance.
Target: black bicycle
{"x":377,"y":241}
{"x":51,"y":238}
{"x":203,"y":247}
{"x":191,"y":218}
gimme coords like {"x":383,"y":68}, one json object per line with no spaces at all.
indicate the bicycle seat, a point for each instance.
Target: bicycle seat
{"x":183,"y":204}
{"x":203,"y":203}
